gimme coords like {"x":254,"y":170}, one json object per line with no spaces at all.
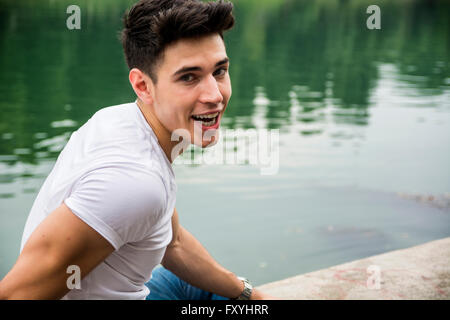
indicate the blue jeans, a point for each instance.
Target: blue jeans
{"x":164,"y":285}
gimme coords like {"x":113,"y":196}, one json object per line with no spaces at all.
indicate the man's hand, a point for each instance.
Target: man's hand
{"x":258,"y":295}
{"x":61,"y":240}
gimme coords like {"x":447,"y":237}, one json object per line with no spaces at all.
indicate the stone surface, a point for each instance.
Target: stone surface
{"x":420,"y":272}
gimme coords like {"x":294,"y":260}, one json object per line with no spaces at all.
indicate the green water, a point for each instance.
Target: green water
{"x":363,"y":115}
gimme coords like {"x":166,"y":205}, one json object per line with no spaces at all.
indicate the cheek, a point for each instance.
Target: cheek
{"x":176,"y":110}
{"x":226,"y":89}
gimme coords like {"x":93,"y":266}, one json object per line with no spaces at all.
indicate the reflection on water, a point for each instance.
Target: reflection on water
{"x":354,"y":107}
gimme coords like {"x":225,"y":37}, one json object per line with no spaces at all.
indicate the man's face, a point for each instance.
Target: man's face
{"x":192,"y":84}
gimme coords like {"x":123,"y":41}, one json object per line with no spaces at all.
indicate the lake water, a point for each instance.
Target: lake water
{"x":363,"y":118}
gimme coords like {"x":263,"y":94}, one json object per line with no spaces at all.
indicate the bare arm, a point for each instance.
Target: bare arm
{"x":61,"y":240}
{"x":189,"y":260}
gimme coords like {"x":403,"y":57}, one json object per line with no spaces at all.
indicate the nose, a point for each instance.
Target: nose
{"x":210,"y":91}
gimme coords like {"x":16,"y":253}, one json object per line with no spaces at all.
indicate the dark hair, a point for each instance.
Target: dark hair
{"x":150,"y":25}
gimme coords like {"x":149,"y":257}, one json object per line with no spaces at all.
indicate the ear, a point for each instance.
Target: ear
{"x":142,"y":85}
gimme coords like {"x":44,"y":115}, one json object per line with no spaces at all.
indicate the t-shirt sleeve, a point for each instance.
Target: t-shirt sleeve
{"x":122,"y":205}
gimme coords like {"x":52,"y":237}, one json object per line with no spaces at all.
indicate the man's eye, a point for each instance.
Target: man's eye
{"x":187,"y":77}
{"x":220,"y":72}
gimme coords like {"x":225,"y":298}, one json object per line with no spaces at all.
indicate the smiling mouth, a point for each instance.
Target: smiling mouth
{"x":207,"y":120}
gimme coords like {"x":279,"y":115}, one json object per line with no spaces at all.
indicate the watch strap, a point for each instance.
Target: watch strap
{"x":247,"y":292}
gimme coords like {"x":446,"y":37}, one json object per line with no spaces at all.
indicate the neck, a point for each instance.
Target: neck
{"x":162,"y":134}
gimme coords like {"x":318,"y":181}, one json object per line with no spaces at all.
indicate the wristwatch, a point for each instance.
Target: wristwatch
{"x":247,"y":292}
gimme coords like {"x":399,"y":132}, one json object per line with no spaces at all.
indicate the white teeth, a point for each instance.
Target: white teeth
{"x":207,"y":120}
{"x":208,"y":123}
{"x":208,"y":116}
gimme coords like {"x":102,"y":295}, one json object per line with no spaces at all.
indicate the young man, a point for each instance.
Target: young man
{"x":108,"y":206}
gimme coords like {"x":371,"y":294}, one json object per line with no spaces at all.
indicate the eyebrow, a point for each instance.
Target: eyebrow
{"x":195,"y":68}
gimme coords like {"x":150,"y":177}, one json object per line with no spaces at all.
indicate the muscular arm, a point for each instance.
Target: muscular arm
{"x":190,"y":261}
{"x":61,"y":240}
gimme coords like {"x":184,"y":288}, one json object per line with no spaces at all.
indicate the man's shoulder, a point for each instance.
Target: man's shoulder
{"x":117,"y":125}
{"x":121,"y":111}
{"x":113,"y":137}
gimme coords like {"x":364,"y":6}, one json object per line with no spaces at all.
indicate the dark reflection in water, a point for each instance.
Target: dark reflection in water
{"x":317,"y":55}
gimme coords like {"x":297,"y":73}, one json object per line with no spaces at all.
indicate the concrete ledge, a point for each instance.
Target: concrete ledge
{"x":421,"y":272}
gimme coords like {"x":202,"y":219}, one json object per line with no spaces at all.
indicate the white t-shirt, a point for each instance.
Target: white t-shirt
{"x":114,"y":175}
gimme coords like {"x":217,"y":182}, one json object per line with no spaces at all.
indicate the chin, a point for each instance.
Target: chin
{"x":208,"y":140}
{"x":208,"y":144}
{"x":212,"y":141}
